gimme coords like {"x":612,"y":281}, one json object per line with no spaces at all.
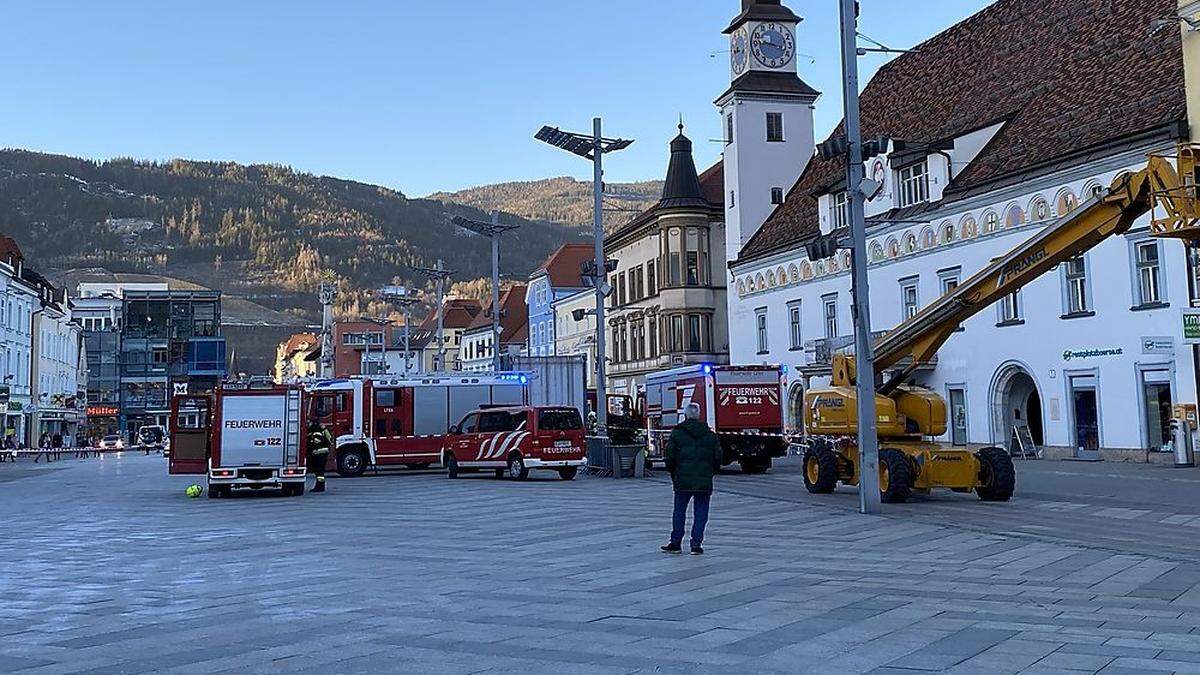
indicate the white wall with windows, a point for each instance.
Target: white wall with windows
{"x":1088,"y":355}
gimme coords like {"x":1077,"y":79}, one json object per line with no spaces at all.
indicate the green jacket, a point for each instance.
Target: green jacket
{"x":693,"y":457}
{"x":320,"y":442}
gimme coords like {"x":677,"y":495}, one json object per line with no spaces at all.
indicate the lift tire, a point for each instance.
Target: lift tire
{"x":516,"y":467}
{"x":568,"y":473}
{"x":451,"y":466}
{"x":351,"y":463}
{"x":997,"y":475}
{"x":895,"y":476}
{"x":820,"y":470}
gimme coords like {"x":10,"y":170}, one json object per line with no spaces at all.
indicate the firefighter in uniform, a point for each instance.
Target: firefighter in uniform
{"x":320,"y":442}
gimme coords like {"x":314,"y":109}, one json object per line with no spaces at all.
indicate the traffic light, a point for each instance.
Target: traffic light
{"x":833,"y":148}
{"x":822,"y":247}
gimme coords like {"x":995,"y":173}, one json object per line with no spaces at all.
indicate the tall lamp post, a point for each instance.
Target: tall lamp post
{"x":593,"y":147}
{"x":868,"y":439}
{"x":383,"y":324}
{"x":400,"y":295}
{"x":327,"y":293}
{"x":439,"y":275}
{"x":492,"y":230}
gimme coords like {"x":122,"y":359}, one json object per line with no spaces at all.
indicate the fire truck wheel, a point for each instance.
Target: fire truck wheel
{"x":820,"y":470}
{"x":997,"y":476}
{"x":352,"y":462}
{"x":895,"y":476}
{"x":568,"y":473}
{"x":451,"y":466}
{"x":756,"y":465}
{"x":516,"y":467}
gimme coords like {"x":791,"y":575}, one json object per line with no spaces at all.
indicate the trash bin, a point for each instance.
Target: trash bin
{"x":1185,"y":453}
{"x":628,"y":461}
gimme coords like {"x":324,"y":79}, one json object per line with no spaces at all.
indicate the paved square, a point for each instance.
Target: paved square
{"x":109,"y":568}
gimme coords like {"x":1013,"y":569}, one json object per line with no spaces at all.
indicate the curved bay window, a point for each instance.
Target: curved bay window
{"x":685,"y":256}
{"x":689,"y":333}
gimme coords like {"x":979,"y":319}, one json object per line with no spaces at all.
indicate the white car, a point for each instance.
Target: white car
{"x":112,"y":442}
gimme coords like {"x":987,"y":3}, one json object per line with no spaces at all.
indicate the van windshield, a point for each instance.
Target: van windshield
{"x":562,"y":419}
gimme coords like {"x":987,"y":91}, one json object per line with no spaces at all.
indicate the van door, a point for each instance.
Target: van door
{"x":191,"y":424}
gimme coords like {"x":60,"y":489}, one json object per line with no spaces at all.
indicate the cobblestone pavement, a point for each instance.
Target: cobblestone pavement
{"x":109,"y":568}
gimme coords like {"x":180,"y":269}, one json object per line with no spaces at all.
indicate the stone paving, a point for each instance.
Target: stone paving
{"x":108,"y":568}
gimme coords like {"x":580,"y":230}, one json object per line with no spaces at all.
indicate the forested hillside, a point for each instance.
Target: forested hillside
{"x":560,"y":200}
{"x":264,"y":232}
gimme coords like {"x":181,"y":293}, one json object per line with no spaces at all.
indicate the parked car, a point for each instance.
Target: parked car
{"x":513,"y":440}
{"x":112,"y":442}
{"x":152,"y":437}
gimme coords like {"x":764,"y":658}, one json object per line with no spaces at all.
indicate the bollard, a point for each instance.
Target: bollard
{"x":1185,"y":454}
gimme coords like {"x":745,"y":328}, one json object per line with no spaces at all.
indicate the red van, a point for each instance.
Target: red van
{"x":514,"y":440}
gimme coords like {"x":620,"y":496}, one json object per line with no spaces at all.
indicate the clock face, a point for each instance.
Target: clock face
{"x":739,"y":56}
{"x":773,"y":44}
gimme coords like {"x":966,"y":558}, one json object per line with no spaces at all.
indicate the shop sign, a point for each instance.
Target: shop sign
{"x":103,"y":411}
{"x":1191,"y":326}
{"x":1162,"y":344}
{"x":1071,"y":354}
{"x":15,"y":406}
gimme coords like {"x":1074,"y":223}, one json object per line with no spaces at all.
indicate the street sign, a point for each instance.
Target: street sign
{"x":1158,"y":344}
{"x":1191,"y":326}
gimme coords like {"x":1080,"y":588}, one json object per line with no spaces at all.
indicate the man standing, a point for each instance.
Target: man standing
{"x":320,"y":442}
{"x":693,"y":458}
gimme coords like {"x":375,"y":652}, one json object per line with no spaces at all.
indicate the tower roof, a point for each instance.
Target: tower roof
{"x":682,"y":186}
{"x":763,"y":10}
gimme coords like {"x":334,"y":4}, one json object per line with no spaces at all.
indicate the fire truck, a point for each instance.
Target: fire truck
{"x":513,"y":440}
{"x":400,"y":421}
{"x":742,"y":404}
{"x":241,"y":438}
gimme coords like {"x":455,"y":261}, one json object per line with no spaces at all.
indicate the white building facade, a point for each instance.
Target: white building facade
{"x":577,"y":338}
{"x":1089,"y":357}
{"x":58,"y":403}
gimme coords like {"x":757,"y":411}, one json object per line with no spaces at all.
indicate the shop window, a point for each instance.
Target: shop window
{"x":1156,"y":400}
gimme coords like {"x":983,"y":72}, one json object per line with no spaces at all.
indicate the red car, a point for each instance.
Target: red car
{"x":514,"y":440}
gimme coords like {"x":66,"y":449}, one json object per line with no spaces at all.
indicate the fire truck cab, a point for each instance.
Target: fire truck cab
{"x":742,"y":404}
{"x":383,"y":421}
{"x":513,"y":440}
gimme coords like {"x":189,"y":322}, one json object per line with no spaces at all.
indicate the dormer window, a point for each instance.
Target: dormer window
{"x":914,"y":184}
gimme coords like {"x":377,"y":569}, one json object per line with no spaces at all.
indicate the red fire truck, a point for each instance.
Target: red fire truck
{"x":742,"y":404}
{"x":241,"y":438}
{"x":513,"y":440}
{"x":399,"y":421}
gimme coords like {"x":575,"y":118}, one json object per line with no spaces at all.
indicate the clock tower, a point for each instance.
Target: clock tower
{"x":767,"y":117}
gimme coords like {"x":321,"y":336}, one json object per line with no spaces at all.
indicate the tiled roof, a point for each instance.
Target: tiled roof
{"x":515,"y":318}
{"x":457,"y":313}
{"x":565,"y":264}
{"x":298,"y":341}
{"x":712,"y":186}
{"x":1063,"y":76}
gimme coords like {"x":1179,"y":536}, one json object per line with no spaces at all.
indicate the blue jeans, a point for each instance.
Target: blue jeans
{"x":699,"y":516}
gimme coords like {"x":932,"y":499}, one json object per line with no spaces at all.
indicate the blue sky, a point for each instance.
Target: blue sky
{"x":418,"y":95}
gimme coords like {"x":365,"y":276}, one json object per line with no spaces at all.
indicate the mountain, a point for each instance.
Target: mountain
{"x":263,"y":233}
{"x":560,"y":200}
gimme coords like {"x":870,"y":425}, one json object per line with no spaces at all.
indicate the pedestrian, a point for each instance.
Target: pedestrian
{"x":320,"y":442}
{"x":693,"y":458}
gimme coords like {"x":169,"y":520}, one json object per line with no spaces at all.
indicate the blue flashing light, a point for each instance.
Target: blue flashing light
{"x":707,"y":369}
{"x":523,"y":380}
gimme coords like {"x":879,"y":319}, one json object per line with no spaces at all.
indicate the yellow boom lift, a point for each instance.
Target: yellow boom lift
{"x":910,"y":416}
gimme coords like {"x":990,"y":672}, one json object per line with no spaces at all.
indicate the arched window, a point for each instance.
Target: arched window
{"x":893,"y":248}
{"x":770,"y":278}
{"x":991,"y":222}
{"x":845,"y":260}
{"x":793,"y":273}
{"x":759,"y":282}
{"x":806,"y":270}
{"x":832,"y":265}
{"x":781,"y":275}
{"x":910,"y":242}
{"x":948,"y":233}
{"x":969,"y":229}
{"x":1039,"y":209}
{"x":928,"y":238}
{"x":1065,"y":202}
{"x":1014,"y":216}
{"x":741,"y":287}
{"x":876,"y":251}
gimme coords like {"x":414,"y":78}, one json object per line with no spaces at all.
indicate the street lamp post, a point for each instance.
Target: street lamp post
{"x":401,"y":295}
{"x":439,"y":274}
{"x":492,"y":230}
{"x":868,"y":439}
{"x":383,"y":324}
{"x":593,"y":147}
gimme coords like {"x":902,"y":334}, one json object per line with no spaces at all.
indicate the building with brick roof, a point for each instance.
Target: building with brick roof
{"x":998,"y":125}
{"x":558,"y":277}
{"x":478,"y":342}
